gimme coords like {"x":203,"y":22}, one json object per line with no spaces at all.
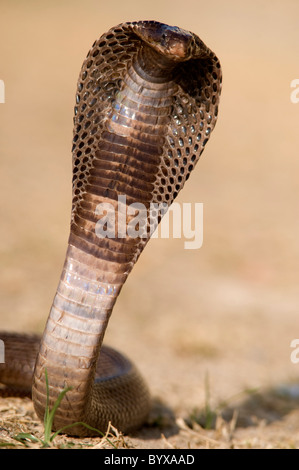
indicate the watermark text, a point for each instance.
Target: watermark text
{"x":295,"y":352}
{"x":138,"y":221}
{"x":295,"y":93}
{"x":2,"y":352}
{"x":2,"y":92}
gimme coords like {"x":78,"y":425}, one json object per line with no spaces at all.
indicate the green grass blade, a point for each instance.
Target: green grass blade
{"x":78,"y":423}
{"x":49,"y":418}
{"x":23,"y":437}
{"x":7,"y":444}
{"x":57,"y":403}
{"x":86,"y":426}
{"x":49,"y":415}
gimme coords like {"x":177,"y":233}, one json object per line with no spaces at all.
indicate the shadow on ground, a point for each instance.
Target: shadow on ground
{"x":267,"y":406}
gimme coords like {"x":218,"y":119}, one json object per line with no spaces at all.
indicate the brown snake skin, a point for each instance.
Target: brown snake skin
{"x":146,"y":104}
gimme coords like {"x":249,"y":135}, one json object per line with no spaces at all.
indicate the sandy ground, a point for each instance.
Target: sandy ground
{"x":210,"y":328}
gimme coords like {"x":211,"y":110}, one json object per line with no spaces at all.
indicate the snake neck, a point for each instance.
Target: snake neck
{"x":154,"y":66}
{"x":125,"y":163}
{"x":73,"y":335}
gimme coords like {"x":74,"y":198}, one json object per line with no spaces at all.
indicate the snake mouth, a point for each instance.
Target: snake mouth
{"x":172,"y":42}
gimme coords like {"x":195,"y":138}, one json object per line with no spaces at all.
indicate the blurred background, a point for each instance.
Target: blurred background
{"x":229,"y":309}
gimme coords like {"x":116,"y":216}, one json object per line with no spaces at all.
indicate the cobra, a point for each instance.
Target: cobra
{"x":146,"y":104}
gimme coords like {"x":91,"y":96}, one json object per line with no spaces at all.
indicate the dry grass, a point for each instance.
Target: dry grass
{"x":255,"y":421}
{"x":19,"y":428}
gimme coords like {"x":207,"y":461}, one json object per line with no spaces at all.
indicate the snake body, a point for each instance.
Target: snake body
{"x":146,"y":104}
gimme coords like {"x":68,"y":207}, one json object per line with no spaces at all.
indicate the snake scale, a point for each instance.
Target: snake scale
{"x":146,"y":103}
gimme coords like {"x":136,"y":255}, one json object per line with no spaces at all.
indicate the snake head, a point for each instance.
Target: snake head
{"x":170,"y":41}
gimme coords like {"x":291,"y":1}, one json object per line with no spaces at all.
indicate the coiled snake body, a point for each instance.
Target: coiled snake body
{"x":146,"y":103}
